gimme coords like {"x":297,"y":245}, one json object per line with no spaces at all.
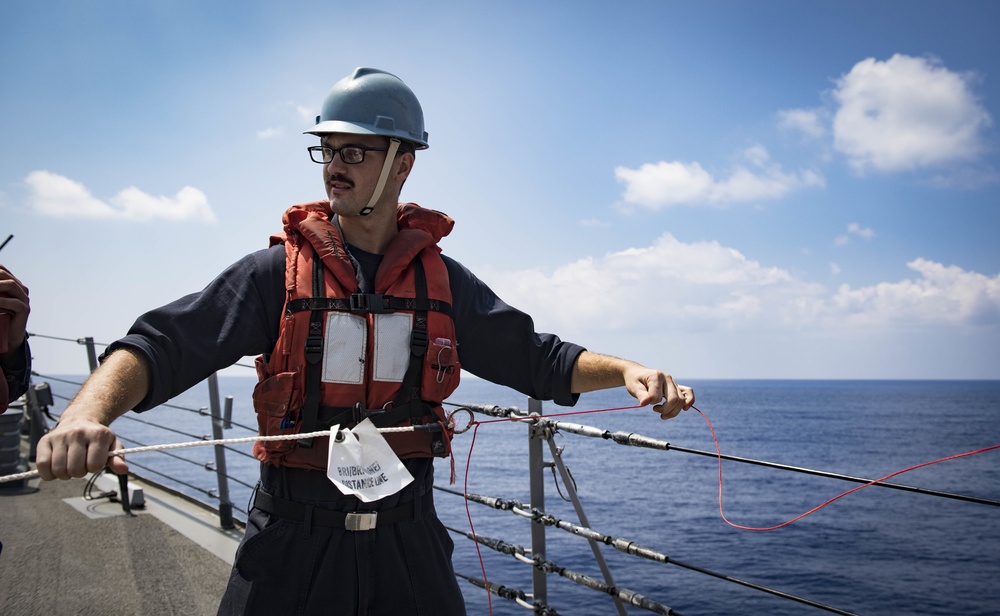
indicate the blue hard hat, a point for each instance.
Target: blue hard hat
{"x":370,"y":101}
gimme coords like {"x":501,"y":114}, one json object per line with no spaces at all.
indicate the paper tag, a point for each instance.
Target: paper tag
{"x":363,"y":464}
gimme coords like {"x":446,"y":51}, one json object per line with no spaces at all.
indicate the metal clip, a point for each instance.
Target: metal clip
{"x":364,"y":520}
{"x":451,"y":420}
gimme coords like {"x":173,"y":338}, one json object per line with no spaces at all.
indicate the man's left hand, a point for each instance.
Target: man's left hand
{"x":650,"y":386}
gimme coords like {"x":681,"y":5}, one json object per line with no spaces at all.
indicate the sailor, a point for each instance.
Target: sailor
{"x":15,"y":357}
{"x":355,"y":314}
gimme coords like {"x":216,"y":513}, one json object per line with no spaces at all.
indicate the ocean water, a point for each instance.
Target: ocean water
{"x":875,"y":551}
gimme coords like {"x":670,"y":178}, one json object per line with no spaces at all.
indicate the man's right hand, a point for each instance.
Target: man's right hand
{"x":80,"y":442}
{"x":77,"y":447}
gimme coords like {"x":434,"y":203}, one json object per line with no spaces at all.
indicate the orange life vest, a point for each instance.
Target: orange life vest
{"x":343,"y":355}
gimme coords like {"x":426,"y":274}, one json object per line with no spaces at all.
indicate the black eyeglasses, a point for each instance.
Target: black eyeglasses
{"x":350,"y":154}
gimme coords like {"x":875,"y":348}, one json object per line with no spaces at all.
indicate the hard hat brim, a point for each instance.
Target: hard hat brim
{"x":351,"y":128}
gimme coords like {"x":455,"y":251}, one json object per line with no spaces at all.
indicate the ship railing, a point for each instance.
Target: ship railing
{"x":215,"y":493}
{"x":541,"y":431}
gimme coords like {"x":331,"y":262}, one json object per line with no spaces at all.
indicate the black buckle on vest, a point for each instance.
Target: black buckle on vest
{"x":368,"y":302}
{"x":359,"y":413}
{"x":314,"y":349}
{"x":418,"y":342}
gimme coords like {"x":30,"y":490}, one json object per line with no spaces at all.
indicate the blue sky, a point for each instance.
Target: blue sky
{"x":718,"y":189}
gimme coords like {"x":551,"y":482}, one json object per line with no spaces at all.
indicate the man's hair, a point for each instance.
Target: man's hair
{"x":406,"y":147}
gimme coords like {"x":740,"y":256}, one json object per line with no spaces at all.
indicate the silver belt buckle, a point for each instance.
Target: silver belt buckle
{"x":360,"y":521}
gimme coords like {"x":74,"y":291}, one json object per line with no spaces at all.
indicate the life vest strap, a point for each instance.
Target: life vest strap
{"x":409,"y":389}
{"x":314,"y":364}
{"x":374,"y":303}
{"x":418,"y":413}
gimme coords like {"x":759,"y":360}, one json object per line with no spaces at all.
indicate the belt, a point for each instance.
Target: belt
{"x":349,"y":520}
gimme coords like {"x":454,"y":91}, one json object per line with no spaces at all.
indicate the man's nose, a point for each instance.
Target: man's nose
{"x":337,"y":162}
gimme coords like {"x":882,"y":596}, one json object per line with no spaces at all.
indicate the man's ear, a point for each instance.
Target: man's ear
{"x":404,"y":165}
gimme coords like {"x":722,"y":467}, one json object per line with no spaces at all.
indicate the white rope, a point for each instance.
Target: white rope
{"x":220,"y":441}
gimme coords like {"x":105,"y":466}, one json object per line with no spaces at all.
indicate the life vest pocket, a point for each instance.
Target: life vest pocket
{"x":442,"y":370}
{"x":274,"y":399}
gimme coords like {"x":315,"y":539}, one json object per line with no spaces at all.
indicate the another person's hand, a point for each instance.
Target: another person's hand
{"x":14,"y":309}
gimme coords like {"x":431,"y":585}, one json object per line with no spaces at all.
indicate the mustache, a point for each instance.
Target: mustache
{"x":340,"y":179}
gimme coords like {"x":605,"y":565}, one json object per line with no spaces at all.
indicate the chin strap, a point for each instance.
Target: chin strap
{"x":390,"y":156}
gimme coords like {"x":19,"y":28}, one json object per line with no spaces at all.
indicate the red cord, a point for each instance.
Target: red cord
{"x":835,"y":498}
{"x":468,"y":514}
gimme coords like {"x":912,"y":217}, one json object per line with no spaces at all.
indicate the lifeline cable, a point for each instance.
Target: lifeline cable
{"x":631,"y":439}
{"x":218,"y":441}
{"x":718,"y":455}
{"x":476,"y":425}
{"x":623,"y":545}
{"x":512,"y":594}
{"x":520,"y":553}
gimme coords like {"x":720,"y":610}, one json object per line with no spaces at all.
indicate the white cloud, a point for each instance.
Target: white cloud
{"x":674,"y":183}
{"x":57,"y":196}
{"x":704,"y":286}
{"x":271,"y":133}
{"x":906,"y":113}
{"x":594,"y":223}
{"x":942,"y":295}
{"x":700,"y":285}
{"x":855,"y":229}
{"x":810,"y":122}
{"x":287,"y":113}
{"x":862,"y":232}
{"x":306,"y":113}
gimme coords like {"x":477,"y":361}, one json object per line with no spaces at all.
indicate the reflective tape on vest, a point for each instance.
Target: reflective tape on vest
{"x":346,"y":345}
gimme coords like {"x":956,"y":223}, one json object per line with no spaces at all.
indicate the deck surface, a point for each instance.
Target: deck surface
{"x":63,"y":555}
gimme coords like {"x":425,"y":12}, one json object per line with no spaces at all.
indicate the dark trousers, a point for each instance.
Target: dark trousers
{"x":293,"y":567}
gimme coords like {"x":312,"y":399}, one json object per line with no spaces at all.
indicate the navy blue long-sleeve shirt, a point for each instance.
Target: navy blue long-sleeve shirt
{"x":238,"y":314}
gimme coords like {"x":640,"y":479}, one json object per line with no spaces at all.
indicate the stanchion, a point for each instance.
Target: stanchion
{"x":11,"y":461}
